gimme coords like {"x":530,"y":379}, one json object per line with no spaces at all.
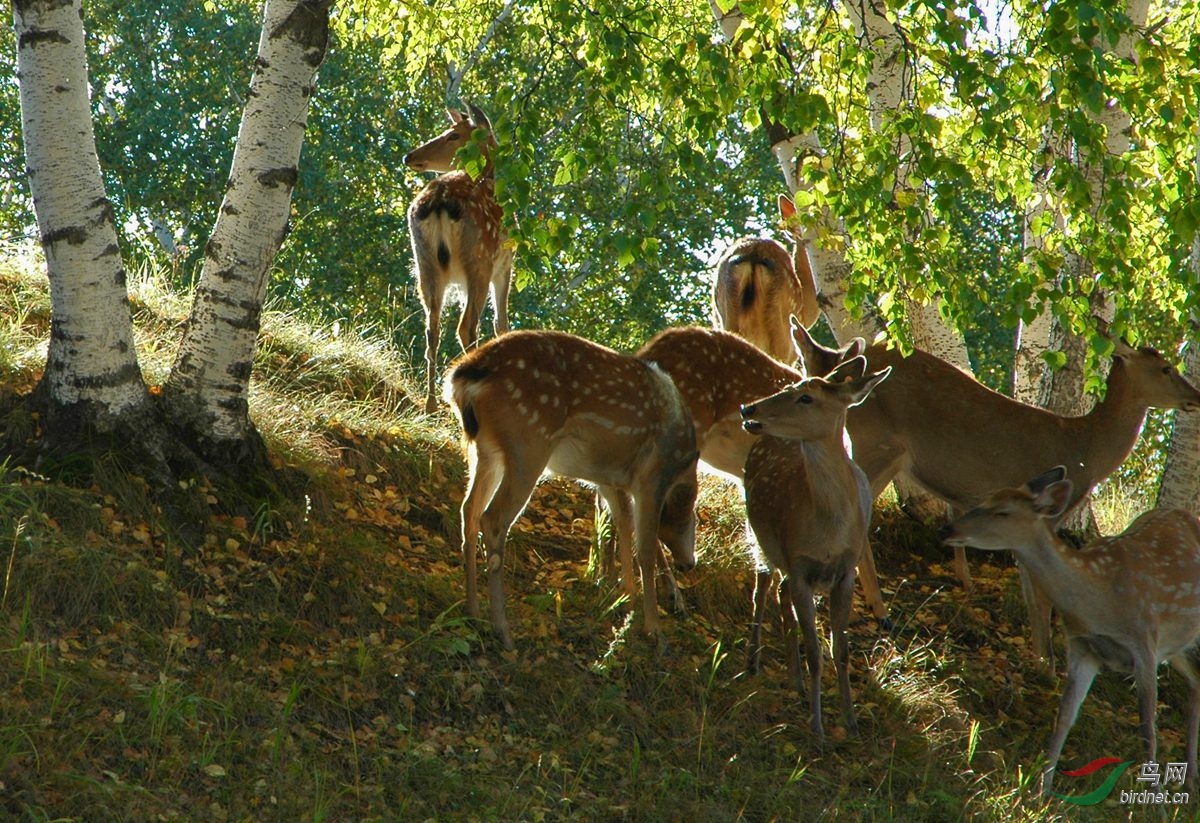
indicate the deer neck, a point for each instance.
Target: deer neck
{"x":829,"y":471}
{"x":1114,"y":424}
{"x":1060,"y":571}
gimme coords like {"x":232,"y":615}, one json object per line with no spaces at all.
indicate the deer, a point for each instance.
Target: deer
{"x":717,"y":372}
{"x":1128,"y":602}
{"x":809,"y":508}
{"x":759,"y":285}
{"x":959,"y":439}
{"x":458,"y":238}
{"x":542,"y":401}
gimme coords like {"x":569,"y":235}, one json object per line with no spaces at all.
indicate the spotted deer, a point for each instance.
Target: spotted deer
{"x":809,"y":508}
{"x":535,"y":401}
{"x":759,"y":285}
{"x":458,"y":238}
{"x":1127,"y":602}
{"x":959,"y":439}
{"x":717,"y":372}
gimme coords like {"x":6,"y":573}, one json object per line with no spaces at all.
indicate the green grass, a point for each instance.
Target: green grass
{"x":314,"y":662}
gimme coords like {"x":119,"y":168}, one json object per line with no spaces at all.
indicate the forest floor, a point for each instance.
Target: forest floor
{"x":312,"y":660}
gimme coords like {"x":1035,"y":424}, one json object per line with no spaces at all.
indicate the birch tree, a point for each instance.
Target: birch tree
{"x":92,"y":384}
{"x":92,"y":380}
{"x":210,"y":380}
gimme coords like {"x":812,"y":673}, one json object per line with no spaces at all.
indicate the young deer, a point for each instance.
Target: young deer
{"x":1127,"y":602}
{"x":532,"y":401}
{"x":717,"y":372}
{"x":458,"y":238}
{"x":809,"y":507}
{"x":959,"y":439}
{"x":759,"y":285}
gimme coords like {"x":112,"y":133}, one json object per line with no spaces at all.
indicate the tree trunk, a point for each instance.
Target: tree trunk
{"x":1181,"y":477}
{"x":209,"y":382}
{"x":92,"y":380}
{"x":1061,"y":391}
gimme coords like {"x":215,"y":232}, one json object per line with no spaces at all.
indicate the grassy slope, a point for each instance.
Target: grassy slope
{"x":314,"y":663}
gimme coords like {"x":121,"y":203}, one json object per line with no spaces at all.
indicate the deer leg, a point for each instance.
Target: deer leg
{"x":508,"y":502}
{"x":1039,"y":607}
{"x":501,"y":280}
{"x":870,"y":583}
{"x":1145,"y":674}
{"x":1186,"y":667}
{"x":840,"y":599}
{"x":806,"y":614}
{"x":486,"y":471}
{"x":962,"y":569}
{"x":433,"y":333}
{"x":647,"y":508}
{"x":468,"y":322}
{"x":789,"y":630}
{"x":1081,"y":671}
{"x":621,"y":508}
{"x":762,"y":587}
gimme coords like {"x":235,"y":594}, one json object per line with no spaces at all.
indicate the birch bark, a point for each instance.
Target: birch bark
{"x":209,"y":382}
{"x":92,"y":365}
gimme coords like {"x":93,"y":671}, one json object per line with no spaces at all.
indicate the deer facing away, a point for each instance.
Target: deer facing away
{"x":1127,"y":602}
{"x":759,"y":285}
{"x":717,"y":372}
{"x":534,"y":401}
{"x":809,"y":507}
{"x":960,"y":440}
{"x":458,"y":238}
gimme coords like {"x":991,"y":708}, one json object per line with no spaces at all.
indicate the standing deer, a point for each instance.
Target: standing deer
{"x":717,"y":372}
{"x":809,"y":507}
{"x":532,"y":401}
{"x":458,"y":238}
{"x":759,"y":285}
{"x":1127,"y":602}
{"x":959,"y":439}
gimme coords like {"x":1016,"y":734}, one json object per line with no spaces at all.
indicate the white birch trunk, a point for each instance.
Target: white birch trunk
{"x":1181,"y":477}
{"x":887,"y":93}
{"x":1062,"y":391}
{"x":92,"y":359}
{"x":210,"y":379}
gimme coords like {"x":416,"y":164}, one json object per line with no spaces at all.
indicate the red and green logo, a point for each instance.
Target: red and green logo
{"x":1104,"y":789}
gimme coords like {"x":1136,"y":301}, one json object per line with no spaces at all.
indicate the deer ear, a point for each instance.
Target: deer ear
{"x":787,"y":209}
{"x":848,"y":371}
{"x":853,"y":349}
{"x":856,"y":390}
{"x":456,"y":116}
{"x":478,"y":119}
{"x":1052,"y":500}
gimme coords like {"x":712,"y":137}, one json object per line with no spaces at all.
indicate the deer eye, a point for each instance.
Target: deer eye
{"x":805,"y":399}
{"x":1166,"y":369}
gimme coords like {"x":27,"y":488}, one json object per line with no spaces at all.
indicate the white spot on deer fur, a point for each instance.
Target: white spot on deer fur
{"x":520,"y":364}
{"x":516,"y":393}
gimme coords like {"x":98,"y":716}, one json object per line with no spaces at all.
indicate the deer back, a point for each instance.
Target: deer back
{"x":579,"y":408}
{"x":961,"y":440}
{"x":755,"y":292}
{"x":716,"y":372}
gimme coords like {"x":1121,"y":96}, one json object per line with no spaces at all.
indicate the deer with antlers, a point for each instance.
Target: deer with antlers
{"x":458,"y":237}
{"x":809,"y":507}
{"x":535,"y":401}
{"x":1127,"y":602}
{"x":959,"y":439}
{"x":759,"y":285}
